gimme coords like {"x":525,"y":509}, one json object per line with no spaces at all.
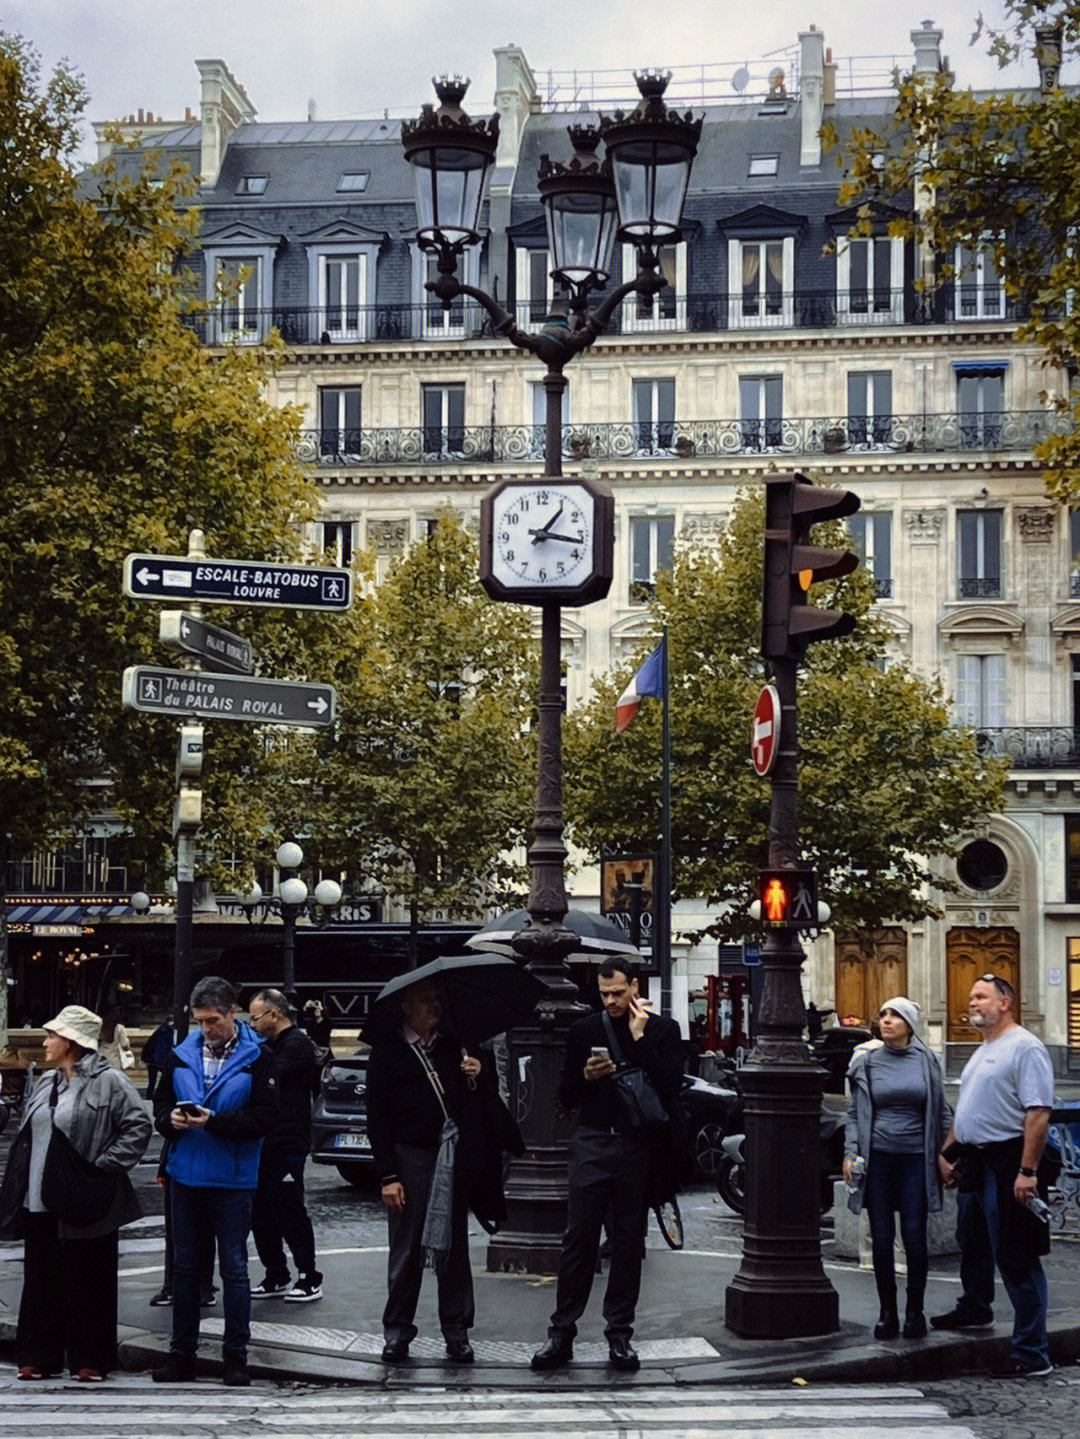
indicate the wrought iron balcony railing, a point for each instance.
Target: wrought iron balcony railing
{"x":1033,"y":746}
{"x":678,"y":440}
{"x":694,"y":313}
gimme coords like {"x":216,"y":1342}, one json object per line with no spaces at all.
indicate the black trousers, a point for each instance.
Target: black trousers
{"x":608,"y":1177}
{"x":67,"y":1314}
{"x":405,"y":1271}
{"x":279,"y":1216}
{"x":208,"y":1256}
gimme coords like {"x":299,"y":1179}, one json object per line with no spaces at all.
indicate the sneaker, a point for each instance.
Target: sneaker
{"x":272,"y":1288}
{"x":957,"y":1319}
{"x":307,"y":1288}
{"x":161,"y":1299}
{"x":234,"y":1373}
{"x":89,"y":1376}
{"x":209,"y":1299}
{"x":1013,"y":1368}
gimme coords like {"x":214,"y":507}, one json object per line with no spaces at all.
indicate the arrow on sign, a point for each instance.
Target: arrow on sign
{"x":145,"y":575}
{"x":319,"y":706}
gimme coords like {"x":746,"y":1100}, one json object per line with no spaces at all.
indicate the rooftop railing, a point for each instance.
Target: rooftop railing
{"x":1033,"y":746}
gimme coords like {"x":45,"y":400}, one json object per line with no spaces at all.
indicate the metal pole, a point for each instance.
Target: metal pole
{"x":780,"y":1290}
{"x":662,"y":938}
{"x":288,"y":950}
{"x":182,"y":962}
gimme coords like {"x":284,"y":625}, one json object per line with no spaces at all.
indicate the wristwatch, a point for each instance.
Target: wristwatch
{"x":1026,"y":1172}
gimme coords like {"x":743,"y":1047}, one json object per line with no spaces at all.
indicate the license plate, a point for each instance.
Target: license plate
{"x":351,"y":1141}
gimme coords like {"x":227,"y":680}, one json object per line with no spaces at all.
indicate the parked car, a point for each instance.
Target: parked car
{"x":339,"y":1119}
{"x":833,"y":1049}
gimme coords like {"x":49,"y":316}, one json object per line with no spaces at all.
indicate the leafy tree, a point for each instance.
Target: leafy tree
{"x":1000,"y":167}
{"x":425,"y":787}
{"x":886,"y":780}
{"x":119,"y":433}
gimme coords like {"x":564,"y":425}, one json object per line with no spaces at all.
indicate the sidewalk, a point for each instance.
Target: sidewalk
{"x":680,"y":1332}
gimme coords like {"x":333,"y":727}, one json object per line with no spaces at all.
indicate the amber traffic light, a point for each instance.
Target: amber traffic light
{"x":792,"y":507}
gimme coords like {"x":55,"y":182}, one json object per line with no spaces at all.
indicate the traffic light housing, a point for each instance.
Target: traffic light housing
{"x":788,"y":897}
{"x":792,"y":507}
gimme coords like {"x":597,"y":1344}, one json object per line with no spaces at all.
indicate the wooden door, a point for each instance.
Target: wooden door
{"x":969,"y":953}
{"x":870,"y":968}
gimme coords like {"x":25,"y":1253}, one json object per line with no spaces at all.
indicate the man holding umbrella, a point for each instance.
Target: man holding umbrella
{"x":422,"y":1090}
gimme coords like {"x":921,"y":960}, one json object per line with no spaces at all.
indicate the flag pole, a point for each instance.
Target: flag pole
{"x":663,"y":914}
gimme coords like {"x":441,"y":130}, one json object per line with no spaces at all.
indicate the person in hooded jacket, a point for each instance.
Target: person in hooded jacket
{"x":216,"y":1102}
{"x":70,"y":1271}
{"x":896,"y":1122}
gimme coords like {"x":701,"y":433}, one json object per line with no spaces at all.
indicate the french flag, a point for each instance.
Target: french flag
{"x":647,"y":683}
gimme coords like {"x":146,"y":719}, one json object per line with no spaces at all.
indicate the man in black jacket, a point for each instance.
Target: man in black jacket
{"x":279,"y":1216}
{"x":417,"y":1077}
{"x":608,"y":1169}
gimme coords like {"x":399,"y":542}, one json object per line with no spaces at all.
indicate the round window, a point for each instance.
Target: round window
{"x":982,"y":865}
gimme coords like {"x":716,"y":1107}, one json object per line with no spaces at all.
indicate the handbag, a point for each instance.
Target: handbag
{"x":640,"y":1108}
{"x":127,"y":1059}
{"x":73,"y":1189}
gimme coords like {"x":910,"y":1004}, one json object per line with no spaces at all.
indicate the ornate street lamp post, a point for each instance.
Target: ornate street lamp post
{"x":636,"y":194}
{"x":293,"y":896}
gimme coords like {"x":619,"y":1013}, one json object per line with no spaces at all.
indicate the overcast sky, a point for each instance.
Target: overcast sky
{"x":355,"y":57}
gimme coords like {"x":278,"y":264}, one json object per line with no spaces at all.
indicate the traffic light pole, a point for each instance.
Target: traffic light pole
{"x":780,"y":1290}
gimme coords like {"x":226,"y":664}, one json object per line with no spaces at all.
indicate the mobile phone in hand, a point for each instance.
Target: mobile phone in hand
{"x":186,"y":1107}
{"x":598,"y":1052}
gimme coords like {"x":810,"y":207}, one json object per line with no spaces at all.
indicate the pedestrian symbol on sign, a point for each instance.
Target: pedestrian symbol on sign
{"x":333,"y":589}
{"x":149,"y":691}
{"x":803,"y":907}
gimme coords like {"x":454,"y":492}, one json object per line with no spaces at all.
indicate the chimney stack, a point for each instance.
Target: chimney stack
{"x":811,"y":94}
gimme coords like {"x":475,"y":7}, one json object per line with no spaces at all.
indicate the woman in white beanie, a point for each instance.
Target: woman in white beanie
{"x":896,"y":1123}
{"x":67,"y":1314}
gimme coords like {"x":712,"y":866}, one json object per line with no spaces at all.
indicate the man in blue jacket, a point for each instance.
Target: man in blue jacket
{"x":216,"y":1101}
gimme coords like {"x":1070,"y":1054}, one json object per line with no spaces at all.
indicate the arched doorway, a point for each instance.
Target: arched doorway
{"x":870,"y":967}
{"x":969,"y":953}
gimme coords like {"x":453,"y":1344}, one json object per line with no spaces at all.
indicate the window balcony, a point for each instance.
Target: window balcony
{"x":694,"y":313}
{"x":1033,"y":746}
{"x":680,"y":440}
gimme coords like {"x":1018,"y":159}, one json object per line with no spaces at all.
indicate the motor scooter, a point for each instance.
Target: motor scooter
{"x":731,"y":1175}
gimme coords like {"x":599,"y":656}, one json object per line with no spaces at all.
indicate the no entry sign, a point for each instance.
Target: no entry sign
{"x":765,"y":731}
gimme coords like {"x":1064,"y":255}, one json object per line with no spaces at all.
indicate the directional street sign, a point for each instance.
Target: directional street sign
{"x":231,"y":697}
{"x":765,"y":732}
{"x":236,"y":582}
{"x":180,"y":631}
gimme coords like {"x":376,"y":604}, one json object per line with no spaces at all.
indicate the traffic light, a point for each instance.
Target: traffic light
{"x":787,"y":897}
{"x":792,"y":507}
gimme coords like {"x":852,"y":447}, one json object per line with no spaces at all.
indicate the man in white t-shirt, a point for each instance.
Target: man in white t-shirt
{"x":1001,"y":1123}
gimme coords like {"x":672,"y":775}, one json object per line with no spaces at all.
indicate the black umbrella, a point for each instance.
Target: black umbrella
{"x":598,"y":938}
{"x":482,"y":994}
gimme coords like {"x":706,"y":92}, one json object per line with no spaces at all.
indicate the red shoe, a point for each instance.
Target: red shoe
{"x":27,"y":1371}
{"x":89,"y":1376}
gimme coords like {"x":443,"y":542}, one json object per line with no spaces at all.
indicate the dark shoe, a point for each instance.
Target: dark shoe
{"x":395,"y":1351}
{"x":28,"y":1371}
{"x":161,"y":1299}
{"x":235,"y":1374}
{"x":957,"y":1319}
{"x":554,"y":1354}
{"x":622,"y":1356}
{"x":89,"y":1376}
{"x":177,"y":1369}
{"x":209,"y":1299}
{"x":914,"y":1324}
{"x":888,"y":1325}
{"x":272,"y":1287}
{"x":459,"y":1351}
{"x":306,"y":1290}
{"x":1013,"y":1368}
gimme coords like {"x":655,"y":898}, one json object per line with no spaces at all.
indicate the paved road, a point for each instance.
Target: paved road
{"x":132,"y":1405}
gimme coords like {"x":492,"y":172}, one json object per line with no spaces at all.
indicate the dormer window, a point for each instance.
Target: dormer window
{"x":759,"y":165}
{"x":252,"y":185}
{"x":353,"y":182}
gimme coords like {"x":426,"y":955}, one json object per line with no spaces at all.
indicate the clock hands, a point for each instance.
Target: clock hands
{"x":547,"y":534}
{"x":545,"y":529}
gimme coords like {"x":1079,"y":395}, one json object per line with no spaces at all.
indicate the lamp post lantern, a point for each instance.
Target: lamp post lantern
{"x":293,"y":893}
{"x":651,"y":151}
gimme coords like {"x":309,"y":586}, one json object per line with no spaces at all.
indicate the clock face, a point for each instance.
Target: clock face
{"x":542,"y":535}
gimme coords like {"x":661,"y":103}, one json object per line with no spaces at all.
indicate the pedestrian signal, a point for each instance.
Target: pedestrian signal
{"x":787,"y":897}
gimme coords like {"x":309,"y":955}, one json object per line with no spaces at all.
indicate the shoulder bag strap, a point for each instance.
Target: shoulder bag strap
{"x":53,"y":1093}
{"x":429,"y":1069}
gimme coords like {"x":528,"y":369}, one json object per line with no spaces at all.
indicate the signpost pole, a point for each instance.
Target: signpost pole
{"x":185,"y":839}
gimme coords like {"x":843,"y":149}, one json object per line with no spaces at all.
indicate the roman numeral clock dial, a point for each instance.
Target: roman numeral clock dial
{"x":547,"y":540}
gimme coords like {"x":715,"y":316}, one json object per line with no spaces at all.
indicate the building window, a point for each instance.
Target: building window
{"x":437,"y":323}
{"x":978,"y":547}
{"x":654,"y":415}
{"x":538,"y":436}
{"x":663,"y":311}
{"x":652,"y":548}
{"x":761,"y":411}
{"x":982,"y":865}
{"x":339,"y":424}
{"x":339,"y":541}
{"x":342,"y":292}
{"x":979,"y":289}
{"x":444,"y":419}
{"x":1073,"y":1000}
{"x":869,"y":407}
{"x":353,"y":182}
{"x":870,"y":280}
{"x":239,"y":283}
{"x":980,"y":394}
{"x":872,"y":533}
{"x":758,"y":165}
{"x":761,"y":282}
{"x":1072,"y":861}
{"x":980,"y":691}
{"x":252,"y":185}
{"x":535,"y":287}
{"x":1074,"y":554}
